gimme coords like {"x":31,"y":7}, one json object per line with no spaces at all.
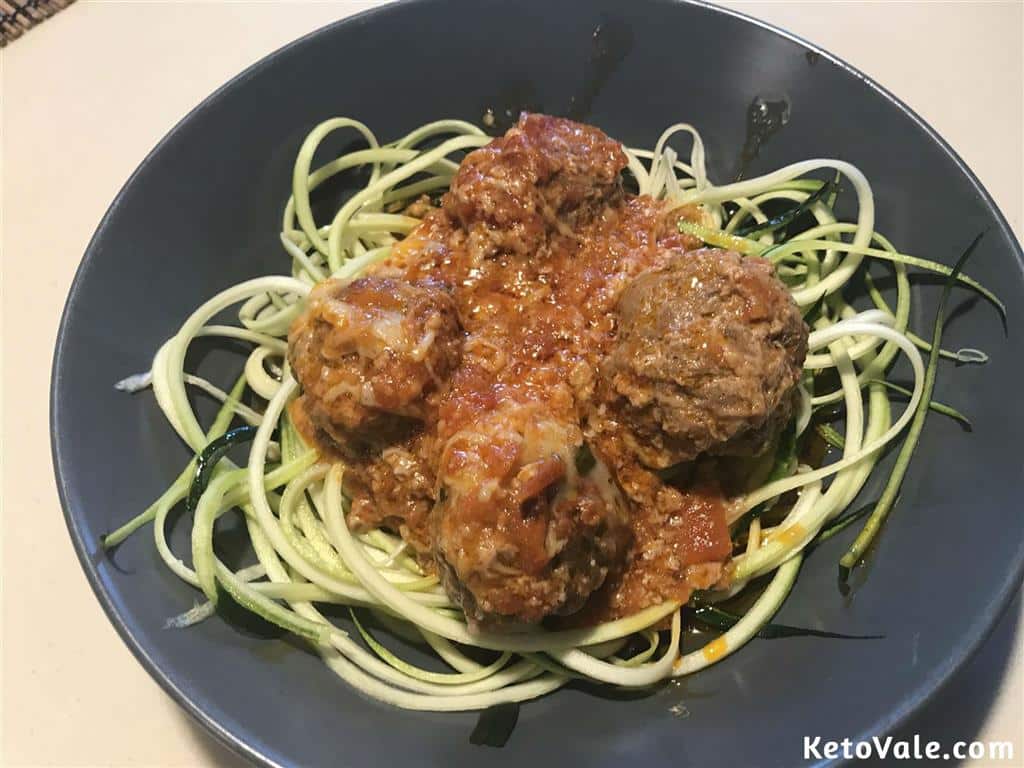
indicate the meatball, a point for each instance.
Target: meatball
{"x":368,"y":353}
{"x":521,"y":532}
{"x":509,"y":194}
{"x":707,"y":359}
{"x":394,"y":491}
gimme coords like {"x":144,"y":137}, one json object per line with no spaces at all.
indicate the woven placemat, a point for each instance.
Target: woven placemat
{"x":19,"y":16}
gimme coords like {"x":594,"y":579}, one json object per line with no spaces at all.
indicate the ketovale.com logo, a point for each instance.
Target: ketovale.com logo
{"x":817,"y":748}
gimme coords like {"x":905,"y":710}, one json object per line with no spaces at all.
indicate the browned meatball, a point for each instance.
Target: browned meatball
{"x":394,"y":491}
{"x":708,"y":357}
{"x":521,"y":532}
{"x":368,"y":352}
{"x":510,"y":193}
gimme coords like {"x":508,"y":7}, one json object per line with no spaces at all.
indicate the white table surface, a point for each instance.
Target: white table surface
{"x":86,"y":95}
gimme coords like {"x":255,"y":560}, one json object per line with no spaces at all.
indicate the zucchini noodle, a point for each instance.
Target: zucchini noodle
{"x":292,"y":501}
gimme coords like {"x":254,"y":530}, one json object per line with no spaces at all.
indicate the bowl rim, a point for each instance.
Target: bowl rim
{"x":985,"y":622}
